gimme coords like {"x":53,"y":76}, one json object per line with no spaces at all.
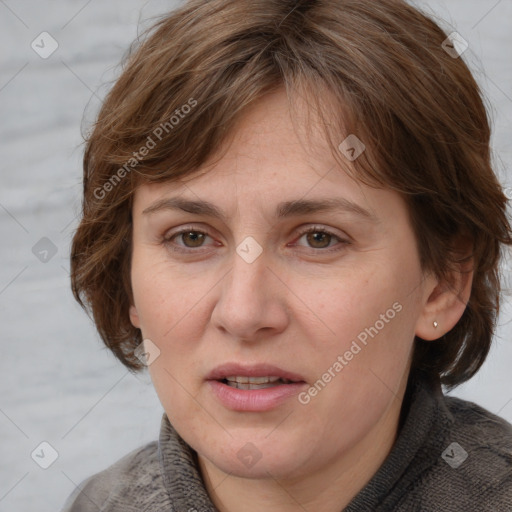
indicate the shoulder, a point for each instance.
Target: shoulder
{"x":481,"y":428}
{"x":131,"y":484}
{"x":472,"y":467}
{"x":488,"y":442}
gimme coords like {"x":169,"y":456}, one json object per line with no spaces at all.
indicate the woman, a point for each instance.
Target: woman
{"x":291,"y":219}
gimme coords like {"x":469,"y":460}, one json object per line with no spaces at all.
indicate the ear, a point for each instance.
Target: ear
{"x":446,"y":301}
{"x":134,"y":317}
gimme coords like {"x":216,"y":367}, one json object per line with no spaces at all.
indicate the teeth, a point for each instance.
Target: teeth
{"x":243,"y":382}
{"x":252,"y":380}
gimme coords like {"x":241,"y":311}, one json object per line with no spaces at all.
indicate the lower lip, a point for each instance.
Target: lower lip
{"x":254,"y":400}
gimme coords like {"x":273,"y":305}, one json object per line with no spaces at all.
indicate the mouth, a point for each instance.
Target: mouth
{"x":244,"y":382}
{"x":256,"y":376}
{"x":254,"y":388}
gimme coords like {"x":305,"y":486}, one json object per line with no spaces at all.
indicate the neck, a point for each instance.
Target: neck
{"x":328,"y":489}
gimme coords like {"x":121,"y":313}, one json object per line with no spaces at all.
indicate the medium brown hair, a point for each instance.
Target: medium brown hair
{"x":375,"y":69}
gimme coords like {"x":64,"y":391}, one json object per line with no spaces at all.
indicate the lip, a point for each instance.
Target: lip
{"x":253,"y":400}
{"x":254,"y":370}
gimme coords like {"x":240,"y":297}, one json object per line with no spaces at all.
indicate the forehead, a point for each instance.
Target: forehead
{"x":273,"y":162}
{"x":267,"y":141}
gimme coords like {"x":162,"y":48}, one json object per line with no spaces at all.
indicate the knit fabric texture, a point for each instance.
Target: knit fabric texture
{"x":450,"y":455}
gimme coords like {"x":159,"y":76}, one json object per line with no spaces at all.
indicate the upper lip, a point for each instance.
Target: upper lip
{"x":254,"y":370}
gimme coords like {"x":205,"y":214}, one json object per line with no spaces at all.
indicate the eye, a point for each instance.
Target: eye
{"x":321,"y":238}
{"x":191,"y":238}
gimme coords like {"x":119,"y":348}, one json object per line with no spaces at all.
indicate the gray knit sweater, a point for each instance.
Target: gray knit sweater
{"x":450,"y":455}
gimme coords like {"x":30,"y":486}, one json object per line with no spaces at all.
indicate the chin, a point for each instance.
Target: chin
{"x":264,"y":468}
{"x":259,"y":459}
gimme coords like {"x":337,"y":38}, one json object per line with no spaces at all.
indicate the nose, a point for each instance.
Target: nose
{"x":251,"y":302}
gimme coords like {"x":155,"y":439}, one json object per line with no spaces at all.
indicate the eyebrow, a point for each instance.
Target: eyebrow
{"x":283,"y":210}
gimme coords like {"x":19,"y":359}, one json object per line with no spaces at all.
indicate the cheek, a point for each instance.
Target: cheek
{"x":348,"y":308}
{"x":164,"y":297}
{"x":366,"y":362}
{"x":370,"y":321}
{"x":171,"y":379}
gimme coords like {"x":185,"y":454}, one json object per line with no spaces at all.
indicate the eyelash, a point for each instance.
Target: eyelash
{"x":167,"y":240}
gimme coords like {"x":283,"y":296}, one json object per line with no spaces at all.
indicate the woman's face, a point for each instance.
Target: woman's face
{"x":239,"y":288}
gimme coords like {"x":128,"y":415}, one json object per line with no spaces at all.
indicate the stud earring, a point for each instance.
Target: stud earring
{"x":435,"y":324}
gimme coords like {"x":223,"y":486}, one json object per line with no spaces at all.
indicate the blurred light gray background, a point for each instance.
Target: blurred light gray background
{"x":60,"y":386}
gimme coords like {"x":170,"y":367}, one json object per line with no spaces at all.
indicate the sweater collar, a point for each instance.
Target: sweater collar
{"x":180,"y":471}
{"x":423,"y":417}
